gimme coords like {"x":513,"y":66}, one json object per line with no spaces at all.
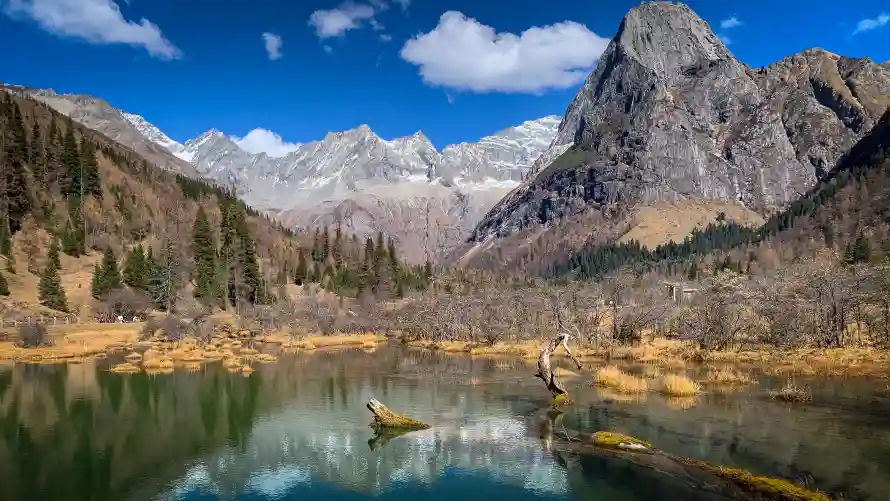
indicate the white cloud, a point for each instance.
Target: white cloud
{"x":265,"y":141}
{"x":460,"y":53}
{"x":732,"y":22}
{"x":872,"y":24}
{"x":273,"y":45}
{"x":385,"y":37}
{"x":336,"y":22}
{"x":725,"y":39}
{"x":96,"y":21}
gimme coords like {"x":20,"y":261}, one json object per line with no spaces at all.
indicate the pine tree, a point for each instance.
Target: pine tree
{"x":14,"y":155}
{"x":97,"y":282}
{"x":165,"y":282}
{"x":49,"y":290}
{"x":204,"y":252}
{"x":4,"y":287}
{"x":859,"y":251}
{"x":35,"y":148}
{"x":337,"y":249}
{"x":301,"y":273}
{"x":52,"y":257}
{"x":89,"y":169}
{"x":325,"y":245}
{"x":135,"y":272}
{"x":71,"y":184}
{"x":5,"y":238}
{"x":106,"y":277}
{"x":74,"y":238}
{"x":391,"y":250}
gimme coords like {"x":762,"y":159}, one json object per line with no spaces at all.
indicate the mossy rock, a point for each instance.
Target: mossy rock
{"x":562,"y":400}
{"x":613,"y":440}
{"x":765,"y":487}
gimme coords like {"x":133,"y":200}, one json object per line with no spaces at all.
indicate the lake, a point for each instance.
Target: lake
{"x":298,"y":429}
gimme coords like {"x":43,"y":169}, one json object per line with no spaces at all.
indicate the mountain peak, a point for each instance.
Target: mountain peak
{"x":666,"y":37}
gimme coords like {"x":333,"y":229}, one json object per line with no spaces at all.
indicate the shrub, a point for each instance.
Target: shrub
{"x":33,"y":336}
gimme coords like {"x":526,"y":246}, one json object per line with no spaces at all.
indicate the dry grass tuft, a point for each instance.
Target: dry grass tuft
{"x":265,"y":358}
{"x":792,"y":393}
{"x":125,"y":368}
{"x":612,"y":377}
{"x":727,"y":376}
{"x":159,"y":362}
{"x":678,"y":385}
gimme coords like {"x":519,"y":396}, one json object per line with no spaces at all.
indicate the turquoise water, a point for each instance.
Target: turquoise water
{"x":298,"y":429}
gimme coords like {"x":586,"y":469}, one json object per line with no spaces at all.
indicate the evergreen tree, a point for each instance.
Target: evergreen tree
{"x":74,"y":238}
{"x":325,"y":244}
{"x":89,"y":169}
{"x":13,"y":157}
{"x":106,"y":277}
{"x":72,"y":181}
{"x":4,"y":287}
{"x":96,"y":282}
{"x":135,"y":271}
{"x":204,"y":255}
{"x":337,"y":249}
{"x":692,"y":274}
{"x":5,"y":238}
{"x":391,"y":250}
{"x":301,"y":273}
{"x":49,"y":290}
{"x":35,"y":148}
{"x":859,"y":251}
{"x":52,"y":257}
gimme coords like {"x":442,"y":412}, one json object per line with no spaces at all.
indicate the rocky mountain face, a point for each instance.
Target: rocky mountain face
{"x":429,"y":200}
{"x":669,"y":115}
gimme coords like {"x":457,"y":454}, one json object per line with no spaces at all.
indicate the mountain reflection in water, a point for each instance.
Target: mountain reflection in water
{"x":299,"y":429}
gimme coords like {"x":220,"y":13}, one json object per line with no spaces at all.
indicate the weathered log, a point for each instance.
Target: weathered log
{"x":545,"y":372}
{"x":385,"y":418}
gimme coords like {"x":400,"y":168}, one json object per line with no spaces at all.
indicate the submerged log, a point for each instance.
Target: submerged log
{"x":385,"y":418}
{"x":545,"y":371}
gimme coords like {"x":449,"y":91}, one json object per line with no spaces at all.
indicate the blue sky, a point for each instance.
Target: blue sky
{"x":456,"y":69}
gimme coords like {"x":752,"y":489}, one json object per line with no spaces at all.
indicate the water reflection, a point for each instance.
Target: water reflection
{"x":299,"y":428}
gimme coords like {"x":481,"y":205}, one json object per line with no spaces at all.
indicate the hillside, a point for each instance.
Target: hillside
{"x":74,"y":201}
{"x":671,"y":116}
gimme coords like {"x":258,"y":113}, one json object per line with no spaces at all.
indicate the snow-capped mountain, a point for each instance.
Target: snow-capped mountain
{"x":151,"y":132}
{"x":429,"y":200}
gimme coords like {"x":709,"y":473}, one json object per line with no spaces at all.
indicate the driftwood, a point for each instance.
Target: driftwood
{"x":545,"y":371}
{"x":385,"y":418}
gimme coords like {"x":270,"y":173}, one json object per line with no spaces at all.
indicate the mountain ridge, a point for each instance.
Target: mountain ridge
{"x":354,"y":177}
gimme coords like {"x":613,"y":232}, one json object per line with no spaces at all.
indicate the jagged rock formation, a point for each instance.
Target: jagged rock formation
{"x":669,"y":115}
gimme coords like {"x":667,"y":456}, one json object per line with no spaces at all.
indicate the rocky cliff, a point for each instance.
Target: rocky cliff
{"x":670,"y":116}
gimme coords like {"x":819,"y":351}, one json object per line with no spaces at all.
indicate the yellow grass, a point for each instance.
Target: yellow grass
{"x":192,"y":366}
{"x":678,"y":385}
{"x":75,"y":341}
{"x":159,"y":362}
{"x":612,"y":377}
{"x":614,"y":396}
{"x":158,"y":371}
{"x":248,"y":351}
{"x":265,"y":358}
{"x":125,"y":368}
{"x":246,"y":369}
{"x":727,"y":376}
{"x":339,"y":340}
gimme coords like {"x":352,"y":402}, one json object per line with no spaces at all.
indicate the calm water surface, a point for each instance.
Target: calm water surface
{"x":298,"y":429}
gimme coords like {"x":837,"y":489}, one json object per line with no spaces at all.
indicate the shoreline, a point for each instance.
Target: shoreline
{"x":103,"y":339}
